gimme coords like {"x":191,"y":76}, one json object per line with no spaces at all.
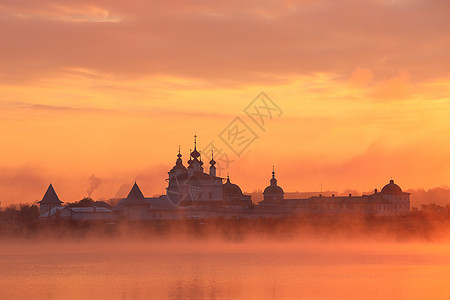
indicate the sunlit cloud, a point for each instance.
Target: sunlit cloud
{"x":64,"y":13}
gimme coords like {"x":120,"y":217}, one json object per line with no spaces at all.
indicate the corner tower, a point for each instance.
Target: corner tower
{"x":49,"y":201}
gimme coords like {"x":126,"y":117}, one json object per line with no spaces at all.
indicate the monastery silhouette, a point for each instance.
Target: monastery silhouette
{"x":194,"y":194}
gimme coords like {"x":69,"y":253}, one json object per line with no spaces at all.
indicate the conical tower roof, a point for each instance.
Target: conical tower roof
{"x":50,"y":196}
{"x":135,"y":196}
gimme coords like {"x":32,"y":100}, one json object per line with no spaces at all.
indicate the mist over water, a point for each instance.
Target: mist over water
{"x":308,"y":257}
{"x":183,"y":266}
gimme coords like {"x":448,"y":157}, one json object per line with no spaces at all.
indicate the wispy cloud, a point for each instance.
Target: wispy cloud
{"x":233,"y":41}
{"x":46,"y":107}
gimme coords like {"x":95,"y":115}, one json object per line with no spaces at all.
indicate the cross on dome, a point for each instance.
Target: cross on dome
{"x":212,"y":162}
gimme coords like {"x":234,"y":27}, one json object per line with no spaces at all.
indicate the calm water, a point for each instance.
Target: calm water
{"x":216,"y":270}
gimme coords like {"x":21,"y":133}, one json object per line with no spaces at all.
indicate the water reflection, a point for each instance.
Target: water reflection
{"x":240,"y":271}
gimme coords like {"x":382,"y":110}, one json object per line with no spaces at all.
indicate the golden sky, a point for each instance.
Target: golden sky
{"x":111,"y":88}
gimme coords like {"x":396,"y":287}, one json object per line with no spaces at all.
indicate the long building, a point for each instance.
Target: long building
{"x":193,"y":193}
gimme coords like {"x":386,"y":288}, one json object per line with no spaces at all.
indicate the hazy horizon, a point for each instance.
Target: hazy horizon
{"x":438,"y":195}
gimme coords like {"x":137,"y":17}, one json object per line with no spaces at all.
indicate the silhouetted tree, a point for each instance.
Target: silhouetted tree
{"x":85,"y":202}
{"x":28,"y":212}
{"x":20,"y":212}
{"x":89,"y":202}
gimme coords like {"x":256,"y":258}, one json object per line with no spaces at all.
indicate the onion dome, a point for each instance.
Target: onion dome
{"x":201,"y":162}
{"x":195,"y":154}
{"x":179,"y":153}
{"x":273,"y":188}
{"x":179,"y":163}
{"x":231,"y":188}
{"x":190,"y":160}
{"x":195,"y":165}
{"x":391,"y":189}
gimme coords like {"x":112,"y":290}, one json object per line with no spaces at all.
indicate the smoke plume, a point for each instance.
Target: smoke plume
{"x":94,"y":183}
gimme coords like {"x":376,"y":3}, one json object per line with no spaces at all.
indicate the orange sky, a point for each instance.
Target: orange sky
{"x":111,"y":88}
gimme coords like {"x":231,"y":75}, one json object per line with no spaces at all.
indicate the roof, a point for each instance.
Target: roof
{"x":231,"y":188}
{"x":50,"y":196}
{"x":161,"y":202}
{"x":377,"y":198}
{"x":75,"y":210}
{"x":178,"y":167}
{"x":273,"y":189}
{"x":90,"y":209}
{"x":391,"y":189}
{"x":52,"y":211}
{"x":102,"y":204}
{"x":135,"y":196}
{"x":374,"y":198}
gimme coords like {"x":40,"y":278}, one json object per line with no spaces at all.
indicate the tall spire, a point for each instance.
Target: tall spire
{"x":212,"y":162}
{"x":273,"y":181}
{"x":179,"y":160}
{"x":212,"y":168}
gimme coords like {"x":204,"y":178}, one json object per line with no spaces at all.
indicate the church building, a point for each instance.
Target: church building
{"x":192,"y":193}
